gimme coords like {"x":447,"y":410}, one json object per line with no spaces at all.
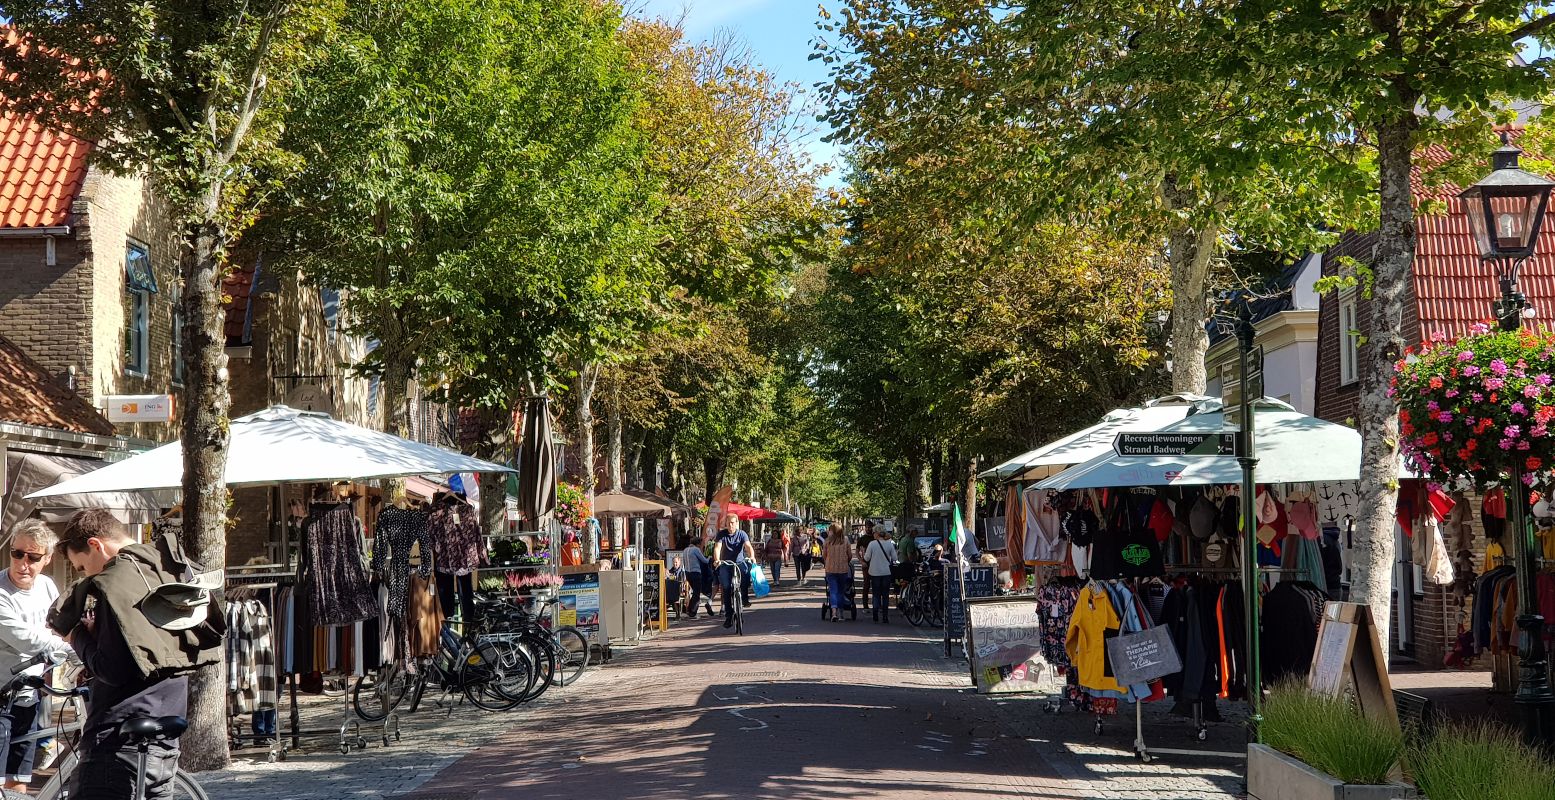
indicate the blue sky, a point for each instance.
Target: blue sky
{"x":779,"y":34}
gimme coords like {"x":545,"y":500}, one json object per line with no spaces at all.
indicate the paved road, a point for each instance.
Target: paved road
{"x":800,"y":708}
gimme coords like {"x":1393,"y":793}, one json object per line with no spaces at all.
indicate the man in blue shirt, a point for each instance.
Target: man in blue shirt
{"x":733,"y":549}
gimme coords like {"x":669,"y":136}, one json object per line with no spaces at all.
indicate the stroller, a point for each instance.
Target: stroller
{"x":827,"y":612}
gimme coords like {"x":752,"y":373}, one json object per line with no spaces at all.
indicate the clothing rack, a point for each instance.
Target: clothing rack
{"x":254,"y":578}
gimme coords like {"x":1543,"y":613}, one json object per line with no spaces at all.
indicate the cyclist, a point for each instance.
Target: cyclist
{"x":140,"y":630}
{"x":732,"y":551}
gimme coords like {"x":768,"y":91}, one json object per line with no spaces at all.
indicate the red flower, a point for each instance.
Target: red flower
{"x":1436,"y":381}
{"x":1533,"y":463}
{"x":1463,"y":453}
{"x":1430,"y":439}
{"x":1403,"y":414}
{"x":1473,"y":444}
{"x":1408,"y":429}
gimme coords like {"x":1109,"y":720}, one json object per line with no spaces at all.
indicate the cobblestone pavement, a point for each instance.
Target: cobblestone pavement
{"x":800,"y":708}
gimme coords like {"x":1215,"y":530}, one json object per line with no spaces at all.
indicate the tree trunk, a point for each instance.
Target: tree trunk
{"x":636,"y":444}
{"x":713,"y":472}
{"x":649,"y":461}
{"x":970,"y":512}
{"x":912,"y":486}
{"x":1189,"y":251}
{"x":205,"y":434}
{"x":614,"y":464}
{"x":499,"y":443}
{"x":588,"y":374}
{"x":937,"y":474}
{"x":1371,"y":561}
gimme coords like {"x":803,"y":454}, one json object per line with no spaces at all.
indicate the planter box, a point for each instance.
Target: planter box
{"x":1272,"y":775}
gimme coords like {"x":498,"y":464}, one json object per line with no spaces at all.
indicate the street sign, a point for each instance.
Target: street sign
{"x":1175,"y":444}
{"x":139,"y":407}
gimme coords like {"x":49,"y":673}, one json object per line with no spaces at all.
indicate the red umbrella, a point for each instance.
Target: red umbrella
{"x":751,"y":512}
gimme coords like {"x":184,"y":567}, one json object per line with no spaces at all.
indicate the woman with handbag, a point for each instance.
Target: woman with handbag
{"x":879,"y":558}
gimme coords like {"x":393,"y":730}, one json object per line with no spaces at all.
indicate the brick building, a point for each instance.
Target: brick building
{"x":1450,"y":289}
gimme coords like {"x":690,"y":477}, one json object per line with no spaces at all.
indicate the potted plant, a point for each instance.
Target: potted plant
{"x":1323,"y":748}
{"x":1476,"y":762}
{"x":1478,"y":406}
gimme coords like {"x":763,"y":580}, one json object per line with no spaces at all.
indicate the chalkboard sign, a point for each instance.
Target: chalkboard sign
{"x":653,"y":595}
{"x":1143,"y":656}
{"x":979,"y":583}
{"x":1349,"y":661}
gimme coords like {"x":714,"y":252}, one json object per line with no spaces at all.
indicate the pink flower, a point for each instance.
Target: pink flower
{"x":1391,"y":392}
{"x":1470,"y":371}
{"x":1523,"y":445}
{"x":1538,"y":431}
{"x":1519,"y":408}
{"x":1476,"y":396}
{"x":1505,"y":444}
{"x":1512,"y":431}
{"x":1466,"y":355}
{"x":1445,"y":416}
{"x":1432,"y":406}
{"x":1528,"y":479}
{"x":1479,"y":328}
{"x":1451,"y":393}
{"x":1498,"y":366}
{"x":1469,"y":420}
{"x":1494,"y":383}
{"x":1438,"y":336}
{"x":1446,"y":437}
{"x":1543,"y":379}
{"x":1531,"y":390}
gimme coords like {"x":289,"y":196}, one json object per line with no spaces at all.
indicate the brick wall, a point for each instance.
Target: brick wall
{"x":46,"y":310}
{"x":1338,"y":402}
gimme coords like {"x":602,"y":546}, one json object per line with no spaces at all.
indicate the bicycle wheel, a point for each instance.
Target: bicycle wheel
{"x":573,"y":654}
{"x":373,"y":698}
{"x":543,"y":657}
{"x":185,"y":788}
{"x":494,"y":676}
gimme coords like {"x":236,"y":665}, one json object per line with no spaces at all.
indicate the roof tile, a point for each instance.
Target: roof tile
{"x":41,"y":172}
{"x":31,"y":396}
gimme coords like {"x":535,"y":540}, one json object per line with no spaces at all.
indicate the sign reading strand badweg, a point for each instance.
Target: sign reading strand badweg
{"x":1175,"y":444}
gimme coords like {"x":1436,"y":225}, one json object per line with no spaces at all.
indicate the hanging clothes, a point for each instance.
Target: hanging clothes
{"x":1015,"y":534}
{"x":399,"y":531}
{"x":1185,"y":616}
{"x":251,"y":658}
{"x":1094,"y":622}
{"x":339,"y":590}
{"x":458,"y":548}
{"x":1290,"y":617}
{"x":1229,"y":618}
{"x":1055,"y":607}
{"x":1044,"y":540}
{"x":423,"y":617}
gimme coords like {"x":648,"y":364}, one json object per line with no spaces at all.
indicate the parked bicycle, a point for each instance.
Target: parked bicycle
{"x":923,"y":601}
{"x":561,"y":654}
{"x":494,"y":675}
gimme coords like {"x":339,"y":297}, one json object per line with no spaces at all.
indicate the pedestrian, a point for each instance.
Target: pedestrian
{"x":861,"y":543}
{"x":772,"y":553}
{"x":699,"y":572}
{"x":879,"y":557}
{"x":25,"y":597}
{"x":800,"y":548}
{"x":837,"y":560}
{"x":138,"y":643}
{"x":732,"y":552}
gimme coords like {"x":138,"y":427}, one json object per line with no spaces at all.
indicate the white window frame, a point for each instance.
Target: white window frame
{"x":137,"y":339}
{"x":1349,"y":345}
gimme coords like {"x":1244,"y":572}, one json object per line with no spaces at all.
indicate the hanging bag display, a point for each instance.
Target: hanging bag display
{"x":1143,"y":656}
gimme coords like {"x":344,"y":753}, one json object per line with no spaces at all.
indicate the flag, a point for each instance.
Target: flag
{"x":960,"y":539}
{"x":716,"y":510}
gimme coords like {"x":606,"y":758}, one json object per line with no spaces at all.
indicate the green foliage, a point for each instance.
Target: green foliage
{"x":1330,"y":734}
{"x":473,"y":179}
{"x":1471,"y":762}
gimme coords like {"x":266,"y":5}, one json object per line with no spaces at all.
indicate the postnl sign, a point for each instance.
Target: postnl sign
{"x":140,"y":407}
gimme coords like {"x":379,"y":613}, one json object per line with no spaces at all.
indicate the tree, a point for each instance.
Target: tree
{"x":1096,"y":115}
{"x":191,"y":97}
{"x":1389,"y":79}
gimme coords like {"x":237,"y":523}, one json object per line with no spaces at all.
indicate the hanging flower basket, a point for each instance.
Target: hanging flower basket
{"x":572,"y":507}
{"x":1478,"y":406}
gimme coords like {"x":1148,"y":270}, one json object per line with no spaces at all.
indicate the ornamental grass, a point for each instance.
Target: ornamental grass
{"x":1479,"y":762}
{"x":1331,"y":735}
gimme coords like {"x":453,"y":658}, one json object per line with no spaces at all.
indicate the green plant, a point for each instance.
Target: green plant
{"x":1474,"y":762}
{"x":1331,"y":734}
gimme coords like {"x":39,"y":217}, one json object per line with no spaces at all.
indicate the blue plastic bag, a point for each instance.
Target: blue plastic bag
{"x":759,"y":581}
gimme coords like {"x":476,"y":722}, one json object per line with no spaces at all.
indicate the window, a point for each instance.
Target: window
{"x":1349,"y":341}
{"x":178,"y":338}
{"x":140,"y":283}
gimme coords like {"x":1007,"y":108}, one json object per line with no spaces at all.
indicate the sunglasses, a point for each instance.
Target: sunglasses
{"x":32,"y":558}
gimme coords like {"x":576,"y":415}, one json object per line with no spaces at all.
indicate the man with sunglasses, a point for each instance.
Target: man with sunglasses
{"x":25,"y":597}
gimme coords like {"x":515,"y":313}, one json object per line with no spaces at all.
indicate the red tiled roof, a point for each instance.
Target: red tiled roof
{"x":1453,"y":288}
{"x":31,"y":396}
{"x":41,"y":172}
{"x":236,"y":289}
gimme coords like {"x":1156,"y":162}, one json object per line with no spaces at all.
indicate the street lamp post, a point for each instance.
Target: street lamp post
{"x":1505,"y":211}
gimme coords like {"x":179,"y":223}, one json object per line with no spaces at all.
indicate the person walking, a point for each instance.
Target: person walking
{"x":837,"y":560}
{"x":879,"y":557}
{"x":860,"y":546}
{"x":800,"y":548}
{"x":772,"y":552}
{"x":699,"y":577}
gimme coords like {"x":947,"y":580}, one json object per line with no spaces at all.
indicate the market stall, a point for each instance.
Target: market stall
{"x":391,"y":608}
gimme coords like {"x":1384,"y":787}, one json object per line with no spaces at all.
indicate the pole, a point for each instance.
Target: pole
{"x":1534,"y":701}
{"x":1247,"y":458}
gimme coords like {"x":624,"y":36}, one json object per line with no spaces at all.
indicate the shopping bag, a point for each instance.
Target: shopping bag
{"x":759,"y":581}
{"x":1143,"y":656}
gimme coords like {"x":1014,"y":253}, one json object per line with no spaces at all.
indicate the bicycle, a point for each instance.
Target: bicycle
{"x":140,"y":731}
{"x":493,"y":675}
{"x":736,"y":591}
{"x":565,"y":644}
{"x":923,"y":601}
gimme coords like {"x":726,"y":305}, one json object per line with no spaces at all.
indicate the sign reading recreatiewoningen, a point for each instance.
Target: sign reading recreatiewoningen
{"x":1175,"y":444}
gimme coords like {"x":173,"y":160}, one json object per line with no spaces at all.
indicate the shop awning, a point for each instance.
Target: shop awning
{"x":1086,"y":444}
{"x":284,"y":445}
{"x":633,"y":503}
{"x":1292,"y":448}
{"x":29,"y":472}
